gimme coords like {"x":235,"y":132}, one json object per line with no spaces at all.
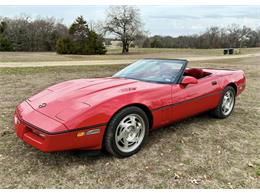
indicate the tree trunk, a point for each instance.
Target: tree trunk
{"x":125,"y":48}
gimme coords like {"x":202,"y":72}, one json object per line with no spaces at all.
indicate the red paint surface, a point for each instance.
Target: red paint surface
{"x":87,"y":104}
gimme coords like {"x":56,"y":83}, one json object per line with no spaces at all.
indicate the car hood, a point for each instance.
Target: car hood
{"x":73,"y":94}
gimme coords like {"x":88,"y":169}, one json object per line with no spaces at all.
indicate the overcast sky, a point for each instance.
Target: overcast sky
{"x":162,"y":20}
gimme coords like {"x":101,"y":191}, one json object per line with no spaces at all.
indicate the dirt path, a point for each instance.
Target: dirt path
{"x":111,"y":62}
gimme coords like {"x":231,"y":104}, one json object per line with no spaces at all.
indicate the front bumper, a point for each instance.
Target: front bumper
{"x":38,"y":131}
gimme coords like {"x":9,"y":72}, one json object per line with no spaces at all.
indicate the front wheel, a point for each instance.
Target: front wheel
{"x":227,"y":103}
{"x":127,"y":132}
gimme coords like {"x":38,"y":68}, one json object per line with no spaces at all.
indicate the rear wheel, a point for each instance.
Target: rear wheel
{"x":227,"y":103}
{"x":127,"y":132}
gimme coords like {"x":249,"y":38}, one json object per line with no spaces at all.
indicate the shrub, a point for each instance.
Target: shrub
{"x":95,"y":44}
{"x":65,"y":46}
{"x":5,"y":44}
{"x":81,"y":40}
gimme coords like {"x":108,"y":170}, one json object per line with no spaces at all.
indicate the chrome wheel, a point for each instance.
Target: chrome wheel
{"x":130,"y":133}
{"x":228,"y":103}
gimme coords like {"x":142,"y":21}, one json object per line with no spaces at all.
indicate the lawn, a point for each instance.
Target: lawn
{"x":199,"y":152}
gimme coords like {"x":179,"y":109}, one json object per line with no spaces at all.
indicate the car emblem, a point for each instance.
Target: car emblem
{"x":42,"y":105}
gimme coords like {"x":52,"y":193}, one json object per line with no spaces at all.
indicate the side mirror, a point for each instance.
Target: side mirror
{"x":189,"y":80}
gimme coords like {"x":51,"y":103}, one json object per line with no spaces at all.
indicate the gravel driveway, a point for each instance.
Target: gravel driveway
{"x":111,"y":62}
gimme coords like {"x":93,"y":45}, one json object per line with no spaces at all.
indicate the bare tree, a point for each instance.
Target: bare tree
{"x":244,"y":37}
{"x":97,"y":26}
{"x":124,"y":22}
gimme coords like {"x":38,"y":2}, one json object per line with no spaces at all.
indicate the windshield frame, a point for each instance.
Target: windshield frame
{"x":173,"y":81}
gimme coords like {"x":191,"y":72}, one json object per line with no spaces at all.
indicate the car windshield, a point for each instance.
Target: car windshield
{"x":153,"y":70}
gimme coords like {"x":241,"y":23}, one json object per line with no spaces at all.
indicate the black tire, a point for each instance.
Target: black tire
{"x":218,"y":112}
{"x":110,"y":139}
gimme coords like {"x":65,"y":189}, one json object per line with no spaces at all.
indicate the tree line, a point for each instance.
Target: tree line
{"x":123,"y":23}
{"x":232,"y":36}
{"x":24,"y":34}
{"x":49,"y":34}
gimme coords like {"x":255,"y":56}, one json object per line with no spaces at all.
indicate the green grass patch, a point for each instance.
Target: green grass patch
{"x":258,"y":171}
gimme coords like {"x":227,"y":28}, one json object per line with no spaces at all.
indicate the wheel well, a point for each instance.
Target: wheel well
{"x":144,"y":108}
{"x":234,"y":86}
{"x":141,"y":106}
{"x":147,"y":112}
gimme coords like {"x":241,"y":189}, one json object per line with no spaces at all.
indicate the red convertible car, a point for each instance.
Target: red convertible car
{"x":117,"y":113}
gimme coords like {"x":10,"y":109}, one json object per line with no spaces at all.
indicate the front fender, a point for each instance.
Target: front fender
{"x":102,"y":112}
{"x":104,"y":106}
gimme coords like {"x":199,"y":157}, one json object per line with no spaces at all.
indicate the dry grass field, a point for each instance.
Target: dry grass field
{"x":115,"y":54}
{"x":199,"y":152}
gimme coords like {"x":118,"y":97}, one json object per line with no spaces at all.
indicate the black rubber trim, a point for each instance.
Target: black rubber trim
{"x":190,"y":100}
{"x":180,"y":76}
{"x":61,"y":132}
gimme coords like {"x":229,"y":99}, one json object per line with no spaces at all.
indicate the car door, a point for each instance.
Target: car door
{"x":194,"y":98}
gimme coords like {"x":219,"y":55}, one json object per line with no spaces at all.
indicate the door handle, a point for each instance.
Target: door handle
{"x":214,"y":82}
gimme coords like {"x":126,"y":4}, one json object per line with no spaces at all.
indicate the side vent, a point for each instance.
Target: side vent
{"x":128,"y":89}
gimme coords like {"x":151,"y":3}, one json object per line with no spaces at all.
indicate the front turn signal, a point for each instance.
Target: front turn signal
{"x":81,"y":133}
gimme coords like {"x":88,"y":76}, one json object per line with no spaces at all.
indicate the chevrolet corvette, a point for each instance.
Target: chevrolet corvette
{"x":116,"y":113}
